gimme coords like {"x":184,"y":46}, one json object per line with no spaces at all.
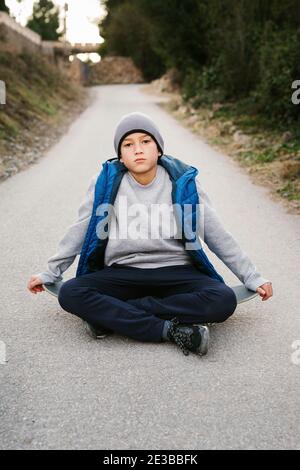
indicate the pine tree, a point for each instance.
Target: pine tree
{"x":45,"y":20}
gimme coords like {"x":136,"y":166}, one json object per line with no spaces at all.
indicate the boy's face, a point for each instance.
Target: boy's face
{"x":139,"y":146}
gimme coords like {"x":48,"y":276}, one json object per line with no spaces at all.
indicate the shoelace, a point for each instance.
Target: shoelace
{"x":183,"y":340}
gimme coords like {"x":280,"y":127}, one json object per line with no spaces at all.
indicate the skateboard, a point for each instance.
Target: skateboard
{"x":53,"y":289}
{"x":241,"y":292}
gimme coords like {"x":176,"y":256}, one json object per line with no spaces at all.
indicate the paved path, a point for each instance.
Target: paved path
{"x":61,"y":389}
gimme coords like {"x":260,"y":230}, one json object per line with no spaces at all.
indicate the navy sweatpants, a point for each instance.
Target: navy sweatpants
{"x":135,"y":302}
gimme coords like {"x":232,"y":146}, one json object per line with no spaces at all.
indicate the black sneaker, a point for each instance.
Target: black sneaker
{"x":96,"y":333}
{"x":194,"y":338}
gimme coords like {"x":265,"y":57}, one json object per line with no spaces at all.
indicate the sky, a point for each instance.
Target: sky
{"x":82,"y":17}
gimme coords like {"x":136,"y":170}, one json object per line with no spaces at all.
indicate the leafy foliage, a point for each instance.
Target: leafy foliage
{"x":238,"y":49}
{"x":45,"y":20}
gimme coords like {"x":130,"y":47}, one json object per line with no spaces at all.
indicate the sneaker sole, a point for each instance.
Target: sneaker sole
{"x":92,"y":334}
{"x":100,"y":336}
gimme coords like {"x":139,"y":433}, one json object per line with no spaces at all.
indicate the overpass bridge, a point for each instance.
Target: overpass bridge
{"x":67,"y":48}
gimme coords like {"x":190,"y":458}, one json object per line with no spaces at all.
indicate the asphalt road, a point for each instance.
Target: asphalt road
{"x":62,"y":390}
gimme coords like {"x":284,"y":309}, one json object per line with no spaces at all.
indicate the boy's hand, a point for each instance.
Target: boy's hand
{"x":35,"y":285}
{"x":265,"y":290}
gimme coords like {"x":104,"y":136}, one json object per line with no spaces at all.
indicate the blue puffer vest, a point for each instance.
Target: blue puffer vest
{"x":184,"y":191}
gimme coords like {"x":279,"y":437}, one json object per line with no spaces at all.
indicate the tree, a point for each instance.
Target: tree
{"x":128,"y":32}
{"x":245,"y":50}
{"x":179,"y":31}
{"x":172,"y":33}
{"x":3,"y":7}
{"x":45,"y":20}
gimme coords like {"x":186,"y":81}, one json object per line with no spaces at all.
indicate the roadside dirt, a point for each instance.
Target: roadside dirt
{"x":32,"y":143}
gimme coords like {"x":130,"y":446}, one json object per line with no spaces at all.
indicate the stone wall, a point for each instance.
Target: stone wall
{"x":115,"y":69}
{"x":16,"y":38}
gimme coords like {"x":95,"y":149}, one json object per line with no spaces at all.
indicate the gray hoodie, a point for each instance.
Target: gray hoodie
{"x":165,"y":252}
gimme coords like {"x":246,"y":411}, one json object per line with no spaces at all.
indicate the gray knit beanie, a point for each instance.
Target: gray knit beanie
{"x":136,"y":122}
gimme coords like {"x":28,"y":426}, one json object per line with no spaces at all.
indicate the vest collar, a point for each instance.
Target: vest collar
{"x":175,"y":167}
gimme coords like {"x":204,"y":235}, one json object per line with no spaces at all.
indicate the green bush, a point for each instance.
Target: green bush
{"x":279,"y":66}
